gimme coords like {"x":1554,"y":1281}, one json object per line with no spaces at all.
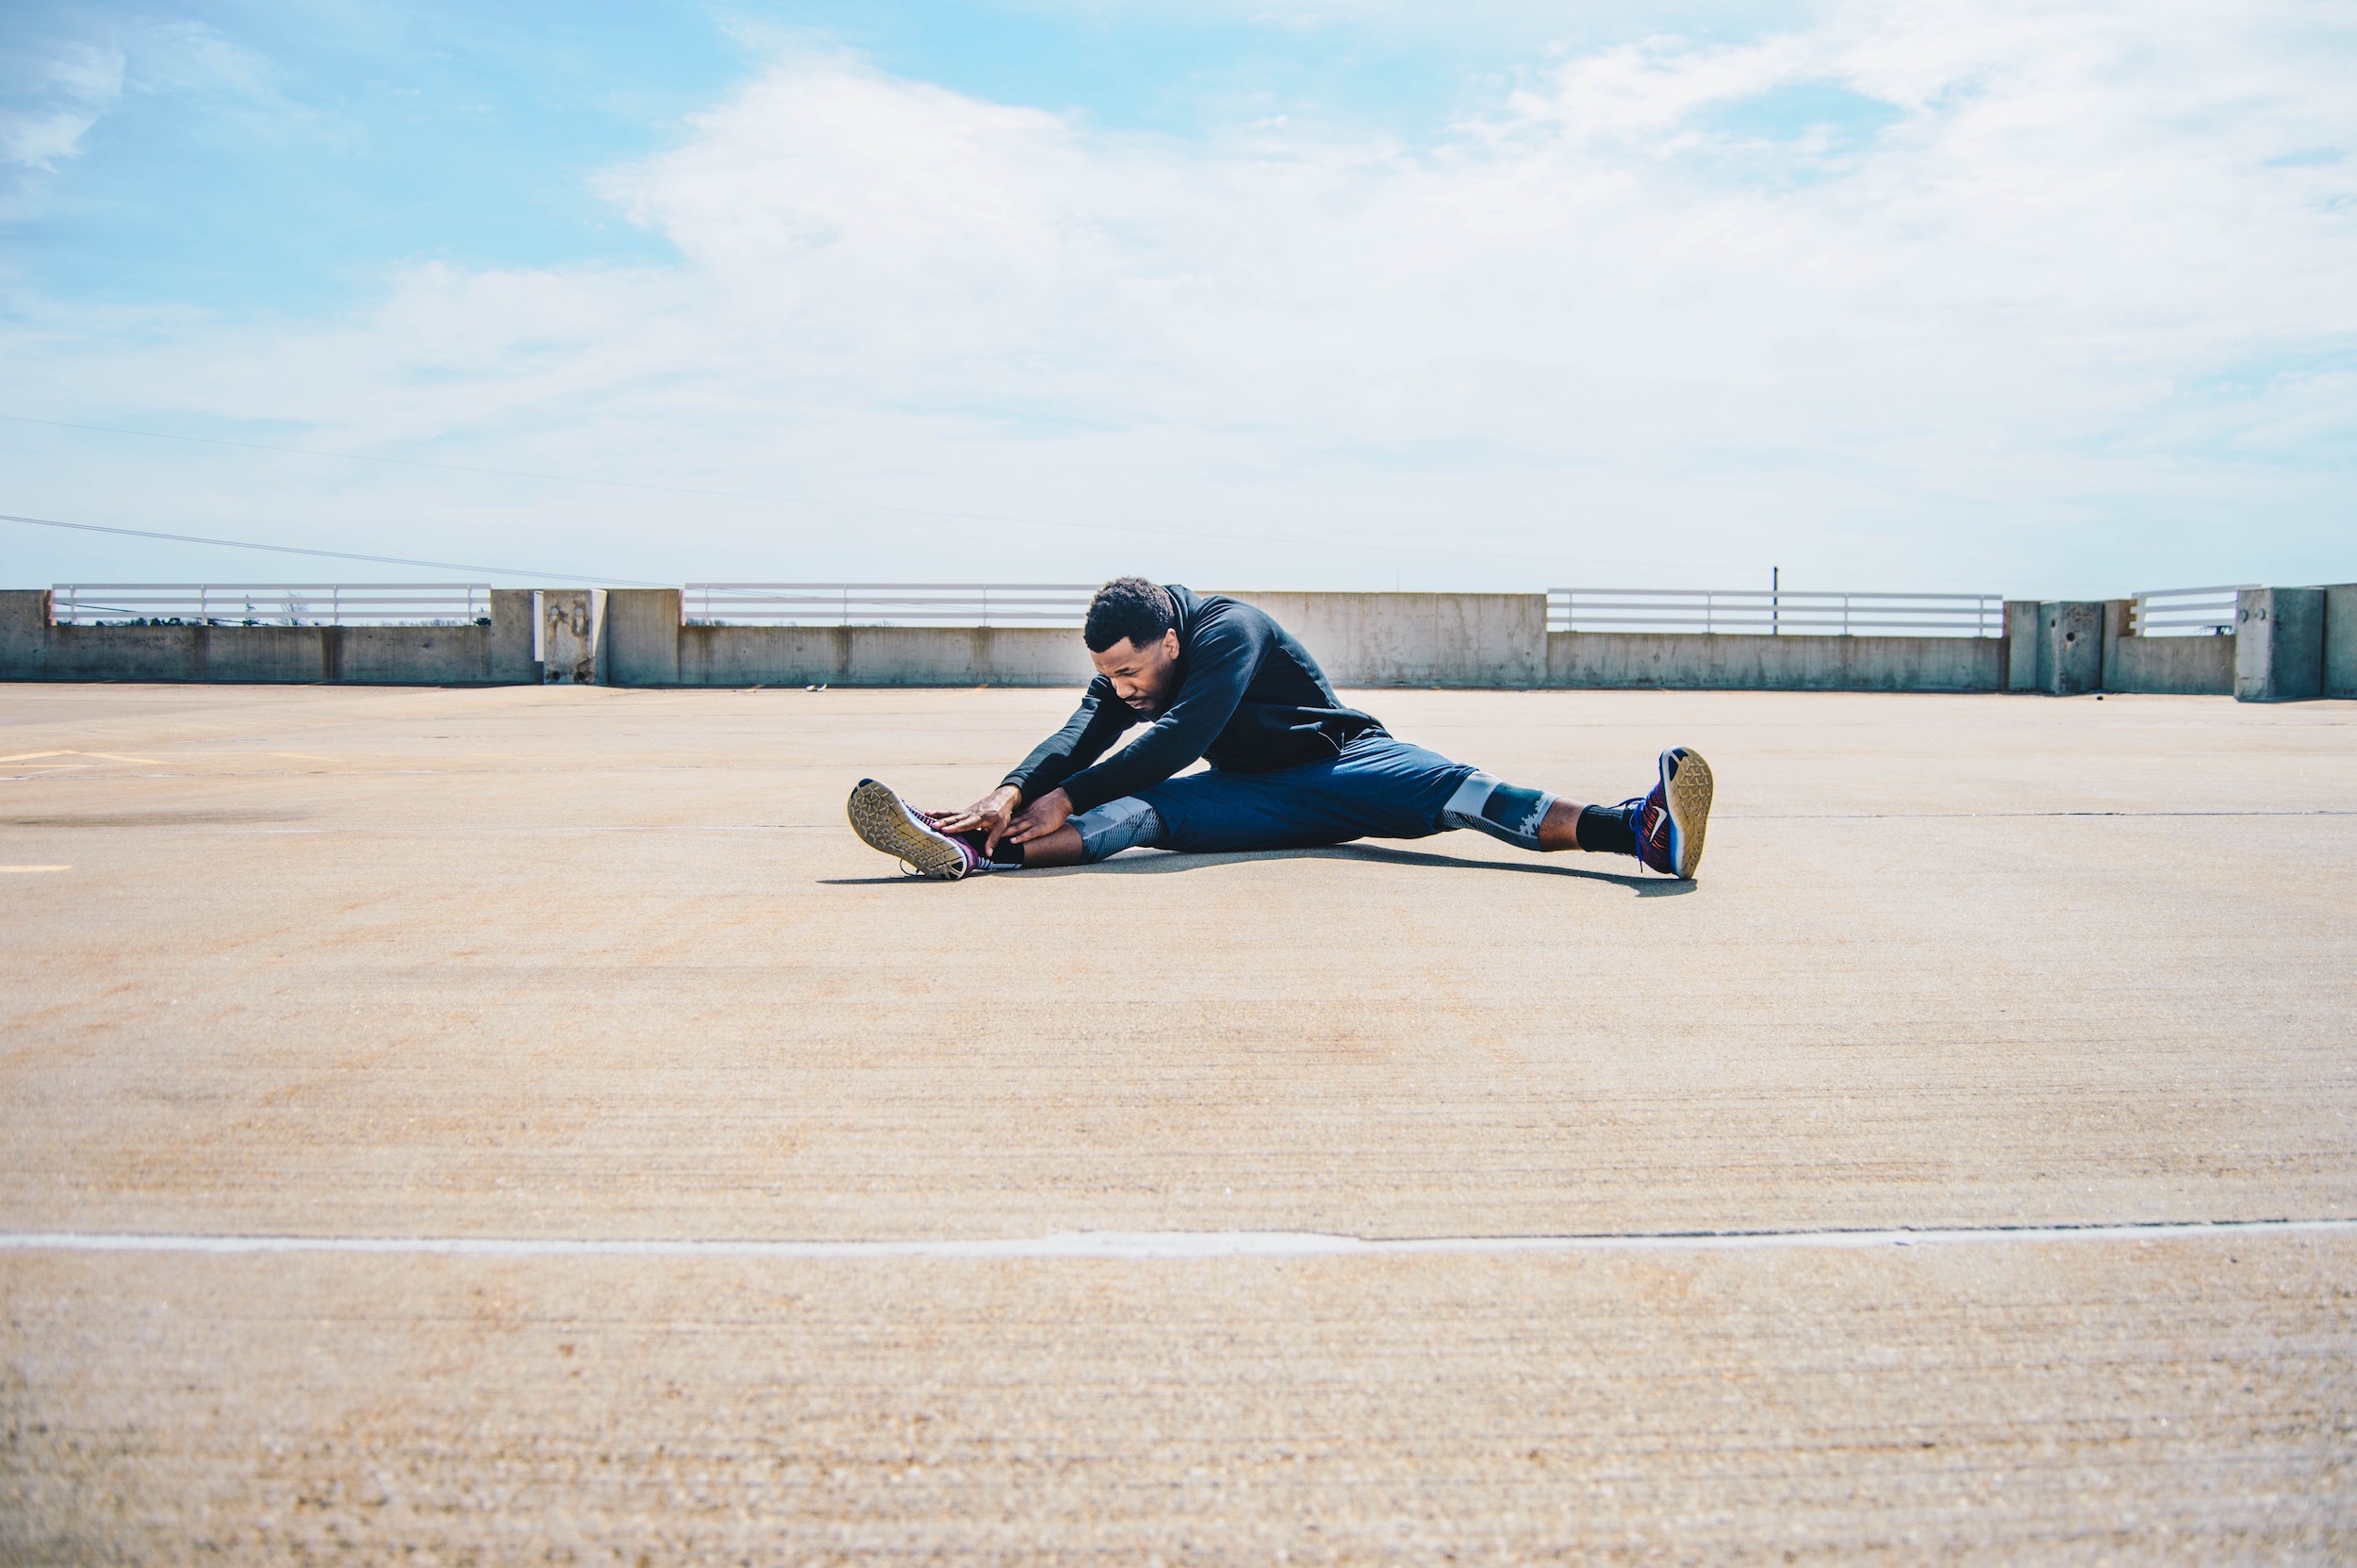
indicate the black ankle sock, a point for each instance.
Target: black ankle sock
{"x":1607,"y":830}
{"x":1007,"y":857}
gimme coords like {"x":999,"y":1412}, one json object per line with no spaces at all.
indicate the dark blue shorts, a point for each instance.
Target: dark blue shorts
{"x":1377,"y":788}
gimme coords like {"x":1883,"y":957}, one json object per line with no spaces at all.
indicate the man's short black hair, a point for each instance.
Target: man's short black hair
{"x":1130,"y":608}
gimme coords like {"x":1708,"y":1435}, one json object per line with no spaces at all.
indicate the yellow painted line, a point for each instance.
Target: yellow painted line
{"x":6,"y":868}
{"x":110,"y":756}
{"x":28,"y":756}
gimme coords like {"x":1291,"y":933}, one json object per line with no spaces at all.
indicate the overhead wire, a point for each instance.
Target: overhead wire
{"x":1133,"y":530}
{"x":334,"y":555}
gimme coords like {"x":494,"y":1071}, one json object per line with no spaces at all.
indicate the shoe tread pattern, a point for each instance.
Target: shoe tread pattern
{"x":1689,"y":807}
{"x":877,"y":818}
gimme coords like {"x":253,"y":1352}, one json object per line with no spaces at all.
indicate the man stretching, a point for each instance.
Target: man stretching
{"x":1215,"y":679}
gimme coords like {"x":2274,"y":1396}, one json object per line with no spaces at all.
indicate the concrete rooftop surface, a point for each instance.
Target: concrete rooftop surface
{"x":432,"y":978}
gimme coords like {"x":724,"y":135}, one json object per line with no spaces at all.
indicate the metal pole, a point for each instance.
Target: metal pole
{"x":1776,"y":601}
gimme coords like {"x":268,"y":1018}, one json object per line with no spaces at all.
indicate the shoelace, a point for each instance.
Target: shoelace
{"x":1635,"y":806}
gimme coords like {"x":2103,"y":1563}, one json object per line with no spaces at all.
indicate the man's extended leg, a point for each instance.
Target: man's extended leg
{"x":1386,"y":788}
{"x":1378,"y":788}
{"x":1534,"y":819}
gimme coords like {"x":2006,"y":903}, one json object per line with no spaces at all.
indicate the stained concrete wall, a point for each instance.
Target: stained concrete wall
{"x":2278,"y":643}
{"x":1699,"y":661}
{"x":2070,"y":646}
{"x":2340,"y":640}
{"x":573,"y":637}
{"x":23,"y":630}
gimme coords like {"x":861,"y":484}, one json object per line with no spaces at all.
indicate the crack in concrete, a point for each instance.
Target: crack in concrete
{"x":1168,"y":1244}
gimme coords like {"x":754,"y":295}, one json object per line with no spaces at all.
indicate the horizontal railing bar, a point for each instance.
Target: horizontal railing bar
{"x":1694,"y":611}
{"x":1787,"y":596}
{"x":1766,"y":628}
{"x":278,"y":588}
{"x":944,"y":587}
{"x":945,"y":616}
{"x":1761,"y":611}
{"x":265,"y":604}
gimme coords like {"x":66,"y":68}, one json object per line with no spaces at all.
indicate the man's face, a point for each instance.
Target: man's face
{"x":1145,"y":678}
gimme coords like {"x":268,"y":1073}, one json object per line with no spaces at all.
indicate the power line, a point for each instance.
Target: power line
{"x":1132,"y":529}
{"x":335,"y":554}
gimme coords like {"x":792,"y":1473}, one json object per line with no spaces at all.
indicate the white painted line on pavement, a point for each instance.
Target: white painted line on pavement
{"x":1157,"y":1243}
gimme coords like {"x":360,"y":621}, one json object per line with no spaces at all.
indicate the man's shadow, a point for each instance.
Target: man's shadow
{"x":1156,"y":863}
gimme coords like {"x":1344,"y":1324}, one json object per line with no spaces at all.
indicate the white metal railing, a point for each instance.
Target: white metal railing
{"x":1765,"y":612}
{"x":2184,"y":613}
{"x":271,"y":604}
{"x":886,"y":603}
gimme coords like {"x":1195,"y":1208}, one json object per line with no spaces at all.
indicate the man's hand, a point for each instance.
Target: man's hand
{"x":1042,"y":817}
{"x":990,"y":813}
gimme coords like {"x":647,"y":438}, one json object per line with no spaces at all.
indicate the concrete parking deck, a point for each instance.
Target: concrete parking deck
{"x":434,"y":980}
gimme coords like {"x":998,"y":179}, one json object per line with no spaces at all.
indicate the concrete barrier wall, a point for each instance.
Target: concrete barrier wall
{"x":642,"y":637}
{"x":2070,"y":646}
{"x":33,"y":650}
{"x":2340,"y":640}
{"x":513,"y":660}
{"x":1418,"y":639}
{"x":2182,"y":667}
{"x":2278,"y":643}
{"x":1378,"y":639}
{"x":1697,"y":661}
{"x":880,"y":656}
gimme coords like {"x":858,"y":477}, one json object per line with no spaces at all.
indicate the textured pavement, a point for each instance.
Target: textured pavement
{"x":507,"y":966}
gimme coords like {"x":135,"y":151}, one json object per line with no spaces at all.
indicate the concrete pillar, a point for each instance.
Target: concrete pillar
{"x":515,"y":638}
{"x":573,"y":637}
{"x":2070,"y":646}
{"x":24,"y":634}
{"x":2119,"y":622}
{"x":2022,"y":622}
{"x":2340,"y":640}
{"x":642,"y":628}
{"x":2279,"y":644}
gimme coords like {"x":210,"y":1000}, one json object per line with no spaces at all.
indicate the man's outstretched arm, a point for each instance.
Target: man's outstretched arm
{"x":1095,"y":724}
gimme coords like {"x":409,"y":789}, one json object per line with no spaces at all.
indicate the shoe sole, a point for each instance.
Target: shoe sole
{"x":1689,"y":798}
{"x":881,"y":823}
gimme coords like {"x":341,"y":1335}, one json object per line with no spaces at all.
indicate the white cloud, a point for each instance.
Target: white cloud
{"x":58,"y":96}
{"x":2018,"y":295}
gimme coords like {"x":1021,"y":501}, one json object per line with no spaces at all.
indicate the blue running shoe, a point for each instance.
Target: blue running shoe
{"x":1671,"y":819}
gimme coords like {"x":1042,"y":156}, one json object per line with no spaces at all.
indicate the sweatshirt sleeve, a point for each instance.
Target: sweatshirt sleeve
{"x":1095,"y":724}
{"x":1226,"y":652}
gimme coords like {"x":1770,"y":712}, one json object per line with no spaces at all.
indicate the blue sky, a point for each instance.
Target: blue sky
{"x":2022,"y":299}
